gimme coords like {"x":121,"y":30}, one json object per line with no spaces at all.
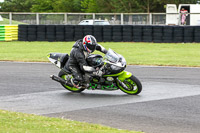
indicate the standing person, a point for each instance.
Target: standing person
{"x":77,"y":63}
{"x":183,"y":16}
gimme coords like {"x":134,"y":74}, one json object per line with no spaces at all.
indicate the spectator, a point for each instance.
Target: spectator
{"x":183,"y":16}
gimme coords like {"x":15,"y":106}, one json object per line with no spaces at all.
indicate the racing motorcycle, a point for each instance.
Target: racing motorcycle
{"x":114,"y":75}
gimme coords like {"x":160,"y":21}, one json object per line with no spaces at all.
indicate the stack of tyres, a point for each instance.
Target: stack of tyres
{"x":32,"y":32}
{"x":137,"y":33}
{"x":50,"y":33}
{"x":23,"y":33}
{"x":127,"y":33}
{"x":157,"y":34}
{"x":88,"y":30}
{"x":2,"y":33}
{"x":168,"y":34}
{"x":178,"y":34}
{"x":69,"y":33}
{"x":98,"y":32}
{"x":60,"y":33}
{"x":117,"y":33}
{"x":41,"y":33}
{"x":78,"y":32}
{"x":8,"y":32}
{"x":197,"y":34}
{"x":188,"y":34}
{"x":147,"y":33}
{"x":107,"y":33}
{"x":13,"y":30}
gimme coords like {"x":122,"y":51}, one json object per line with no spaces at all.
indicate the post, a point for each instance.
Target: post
{"x":37,"y":19}
{"x":93,"y":16}
{"x":150,"y":19}
{"x":65,"y":18}
{"x":122,"y":18}
{"x":10,"y":18}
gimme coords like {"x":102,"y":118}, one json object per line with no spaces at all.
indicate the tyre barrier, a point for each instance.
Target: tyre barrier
{"x":110,"y":33}
{"x":8,"y":32}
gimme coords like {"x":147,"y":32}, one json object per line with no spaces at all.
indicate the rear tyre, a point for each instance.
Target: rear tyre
{"x":133,"y":84}
{"x":63,"y":75}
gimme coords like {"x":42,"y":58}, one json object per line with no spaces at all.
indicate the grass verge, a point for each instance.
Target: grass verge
{"x":7,"y":22}
{"x":174,"y":54}
{"x":11,"y":122}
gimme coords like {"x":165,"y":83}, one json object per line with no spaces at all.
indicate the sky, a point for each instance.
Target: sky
{"x":1,"y":0}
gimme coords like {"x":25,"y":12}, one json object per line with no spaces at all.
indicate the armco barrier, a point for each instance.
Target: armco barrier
{"x":8,"y":32}
{"x":109,"y":33}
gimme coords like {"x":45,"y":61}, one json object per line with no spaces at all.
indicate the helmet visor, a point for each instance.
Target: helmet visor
{"x":91,"y":47}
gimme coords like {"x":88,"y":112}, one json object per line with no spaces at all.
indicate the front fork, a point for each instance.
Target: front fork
{"x":122,"y":77}
{"x":122,"y":84}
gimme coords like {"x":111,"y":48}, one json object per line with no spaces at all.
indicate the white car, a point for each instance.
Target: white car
{"x":94,"y":22}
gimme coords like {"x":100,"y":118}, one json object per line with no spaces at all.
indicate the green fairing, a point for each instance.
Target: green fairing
{"x":113,"y":75}
{"x":103,"y":87}
{"x":70,"y":88}
{"x":122,"y":75}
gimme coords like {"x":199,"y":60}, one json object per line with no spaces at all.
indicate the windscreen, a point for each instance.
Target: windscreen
{"x":101,"y":23}
{"x":112,"y":56}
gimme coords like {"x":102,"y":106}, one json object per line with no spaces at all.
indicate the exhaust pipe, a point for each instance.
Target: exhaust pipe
{"x":60,"y":80}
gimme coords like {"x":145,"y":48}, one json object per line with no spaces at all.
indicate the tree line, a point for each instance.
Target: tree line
{"x":90,"y":6}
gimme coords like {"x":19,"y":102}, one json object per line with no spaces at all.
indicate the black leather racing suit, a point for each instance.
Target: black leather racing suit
{"x":77,"y":60}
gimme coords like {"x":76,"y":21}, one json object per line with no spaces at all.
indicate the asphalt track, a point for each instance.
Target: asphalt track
{"x":169,"y":102}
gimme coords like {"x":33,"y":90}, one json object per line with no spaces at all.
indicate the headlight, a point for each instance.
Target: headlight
{"x":115,"y":68}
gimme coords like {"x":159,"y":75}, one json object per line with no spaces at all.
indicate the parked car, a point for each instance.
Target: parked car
{"x":94,"y":22}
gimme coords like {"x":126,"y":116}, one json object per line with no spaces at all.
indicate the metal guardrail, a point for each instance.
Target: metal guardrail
{"x":75,"y":18}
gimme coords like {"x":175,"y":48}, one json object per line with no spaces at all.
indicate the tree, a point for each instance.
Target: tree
{"x":57,"y":6}
{"x":43,"y":6}
{"x":91,"y":6}
{"x":119,"y":6}
{"x":129,"y":6}
{"x":136,"y":6}
{"x":16,"y":6}
{"x":96,"y":6}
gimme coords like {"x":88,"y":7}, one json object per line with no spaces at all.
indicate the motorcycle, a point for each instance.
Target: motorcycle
{"x":114,"y":75}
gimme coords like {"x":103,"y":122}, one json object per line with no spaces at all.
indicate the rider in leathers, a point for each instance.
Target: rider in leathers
{"x":77,"y":63}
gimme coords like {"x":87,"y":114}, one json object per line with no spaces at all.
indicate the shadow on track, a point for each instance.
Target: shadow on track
{"x":101,"y":94}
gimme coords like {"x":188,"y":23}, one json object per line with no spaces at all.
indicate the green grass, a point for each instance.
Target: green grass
{"x":11,"y":122}
{"x":179,"y":54}
{"x":7,"y":22}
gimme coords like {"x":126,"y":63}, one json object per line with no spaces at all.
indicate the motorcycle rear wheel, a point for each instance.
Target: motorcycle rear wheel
{"x":133,"y":84}
{"x":72,"y":89}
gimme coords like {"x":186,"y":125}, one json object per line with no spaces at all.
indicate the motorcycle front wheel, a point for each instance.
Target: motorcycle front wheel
{"x":72,"y":89}
{"x":134,"y":86}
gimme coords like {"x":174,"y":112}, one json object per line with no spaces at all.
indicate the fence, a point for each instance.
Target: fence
{"x":113,"y":18}
{"x":108,"y":33}
{"x":75,"y":18}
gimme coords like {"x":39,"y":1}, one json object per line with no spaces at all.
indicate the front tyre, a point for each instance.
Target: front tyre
{"x":134,"y":86}
{"x":72,"y":89}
